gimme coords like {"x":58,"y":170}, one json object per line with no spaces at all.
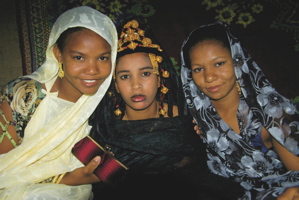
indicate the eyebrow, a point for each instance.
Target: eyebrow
{"x":81,"y":53}
{"x":147,"y":67}
{"x":143,"y":68}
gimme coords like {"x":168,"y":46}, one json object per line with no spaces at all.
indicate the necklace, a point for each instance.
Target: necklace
{"x":125,"y":117}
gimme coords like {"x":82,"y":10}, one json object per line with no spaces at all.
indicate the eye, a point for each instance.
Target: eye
{"x":78,"y":57}
{"x":104,"y":58}
{"x":197,"y":69}
{"x":146,"y":74}
{"x":219,"y":64}
{"x":123,"y":77}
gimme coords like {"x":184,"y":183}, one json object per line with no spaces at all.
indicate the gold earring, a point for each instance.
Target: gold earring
{"x":239,"y":88}
{"x":60,"y":70}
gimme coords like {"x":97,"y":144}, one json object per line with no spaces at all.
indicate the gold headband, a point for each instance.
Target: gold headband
{"x":132,"y":40}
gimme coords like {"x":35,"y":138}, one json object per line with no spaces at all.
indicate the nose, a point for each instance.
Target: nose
{"x":136,"y":85}
{"x":92,"y":68}
{"x":210,"y":75}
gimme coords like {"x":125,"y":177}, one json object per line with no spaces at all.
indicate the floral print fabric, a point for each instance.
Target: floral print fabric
{"x":243,"y":157}
{"x":24,"y":96}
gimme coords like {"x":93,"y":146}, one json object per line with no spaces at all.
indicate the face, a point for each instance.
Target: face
{"x":86,"y":59}
{"x":135,"y":81}
{"x":212,"y":69}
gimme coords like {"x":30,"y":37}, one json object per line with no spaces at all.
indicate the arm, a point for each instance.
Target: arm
{"x":290,"y":161}
{"x":6,"y":144}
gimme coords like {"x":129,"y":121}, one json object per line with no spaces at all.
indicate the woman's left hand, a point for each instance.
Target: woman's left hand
{"x":291,"y":193}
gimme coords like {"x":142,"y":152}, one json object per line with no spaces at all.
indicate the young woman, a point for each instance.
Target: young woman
{"x":144,"y":122}
{"x":251,"y":131}
{"x":44,"y":114}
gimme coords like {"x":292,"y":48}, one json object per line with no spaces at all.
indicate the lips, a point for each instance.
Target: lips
{"x":138,"y":98}
{"x":214,"y":88}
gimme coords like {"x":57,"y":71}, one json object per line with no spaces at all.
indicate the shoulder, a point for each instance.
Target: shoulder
{"x":21,"y":83}
{"x":21,"y":92}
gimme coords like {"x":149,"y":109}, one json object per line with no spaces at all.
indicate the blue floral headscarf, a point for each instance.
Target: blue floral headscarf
{"x":243,"y":157}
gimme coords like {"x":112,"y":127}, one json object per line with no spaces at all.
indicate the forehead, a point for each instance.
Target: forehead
{"x":134,"y":59}
{"x":86,"y":38}
{"x":211,"y":45}
{"x":84,"y":34}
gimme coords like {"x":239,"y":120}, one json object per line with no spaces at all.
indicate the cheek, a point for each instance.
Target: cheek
{"x":105,"y":70}
{"x":227,"y":74}
{"x":71,"y":69}
{"x":123,"y":87}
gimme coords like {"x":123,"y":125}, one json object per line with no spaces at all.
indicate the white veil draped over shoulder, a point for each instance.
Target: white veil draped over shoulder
{"x":50,"y":136}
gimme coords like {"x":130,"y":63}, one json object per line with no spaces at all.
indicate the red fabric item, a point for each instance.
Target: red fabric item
{"x":110,"y":170}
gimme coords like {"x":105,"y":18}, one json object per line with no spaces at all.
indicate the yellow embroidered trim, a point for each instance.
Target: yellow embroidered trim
{"x":4,"y":130}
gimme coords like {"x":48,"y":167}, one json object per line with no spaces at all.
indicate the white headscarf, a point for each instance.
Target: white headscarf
{"x":46,"y":147}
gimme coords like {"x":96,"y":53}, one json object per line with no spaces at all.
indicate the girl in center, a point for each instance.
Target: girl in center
{"x":143,"y":121}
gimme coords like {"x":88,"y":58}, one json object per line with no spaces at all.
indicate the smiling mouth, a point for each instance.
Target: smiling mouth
{"x":89,"y":81}
{"x":214,"y":88}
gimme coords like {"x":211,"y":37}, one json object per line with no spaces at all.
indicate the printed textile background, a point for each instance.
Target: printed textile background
{"x":268,"y":28}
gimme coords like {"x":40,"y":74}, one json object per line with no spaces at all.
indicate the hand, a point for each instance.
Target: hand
{"x":291,"y":193}
{"x":83,"y":175}
{"x":196,"y":128}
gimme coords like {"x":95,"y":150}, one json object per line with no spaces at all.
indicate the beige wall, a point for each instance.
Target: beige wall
{"x":10,"y":55}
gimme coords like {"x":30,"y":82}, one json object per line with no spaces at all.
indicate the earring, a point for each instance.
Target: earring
{"x":238,"y":87}
{"x":117,"y":112}
{"x":60,"y":70}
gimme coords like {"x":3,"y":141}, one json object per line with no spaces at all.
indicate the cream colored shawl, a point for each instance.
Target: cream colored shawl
{"x":49,"y":136}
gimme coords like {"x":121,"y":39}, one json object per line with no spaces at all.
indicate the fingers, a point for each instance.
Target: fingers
{"x":83,"y":175}
{"x":92,"y":165}
{"x":196,"y":128}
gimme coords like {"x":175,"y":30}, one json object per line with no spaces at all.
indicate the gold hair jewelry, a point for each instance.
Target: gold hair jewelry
{"x":164,"y":89}
{"x":165,"y":74}
{"x":117,"y":112}
{"x":110,"y":93}
{"x":132,"y":37}
{"x":60,"y":70}
{"x":239,"y":88}
{"x":162,"y":111}
{"x":155,"y":60}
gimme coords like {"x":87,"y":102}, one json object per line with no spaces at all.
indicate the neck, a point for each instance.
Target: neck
{"x":64,"y":92}
{"x":228,"y":104}
{"x":150,"y":112}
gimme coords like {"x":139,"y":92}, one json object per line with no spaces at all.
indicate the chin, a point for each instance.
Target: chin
{"x":89,"y":93}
